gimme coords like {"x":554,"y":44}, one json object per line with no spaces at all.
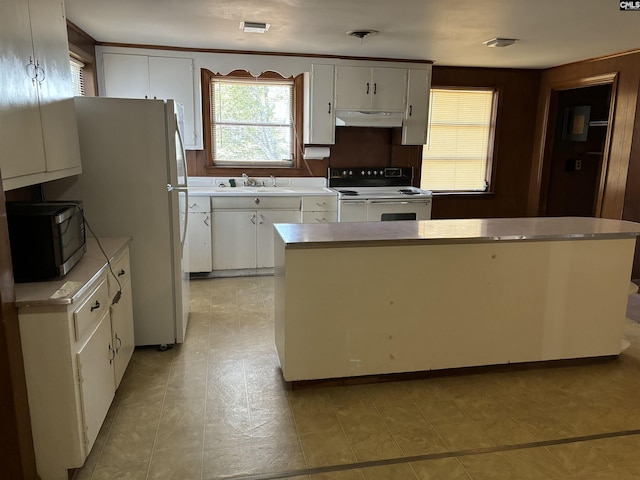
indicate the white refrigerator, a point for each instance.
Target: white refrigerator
{"x":134,"y":183}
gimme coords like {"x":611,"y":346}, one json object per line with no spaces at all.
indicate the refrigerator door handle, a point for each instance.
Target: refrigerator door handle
{"x":171,"y":188}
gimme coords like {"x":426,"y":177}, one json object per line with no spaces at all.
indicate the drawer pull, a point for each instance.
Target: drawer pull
{"x":95,"y":306}
{"x":113,"y":354}
{"x":119,"y":343}
{"x":121,"y":272}
{"x":321,"y":204}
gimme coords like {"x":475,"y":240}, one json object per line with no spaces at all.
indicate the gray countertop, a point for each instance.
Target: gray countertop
{"x":284,"y":191}
{"x":453,"y":231}
{"x":71,"y":287}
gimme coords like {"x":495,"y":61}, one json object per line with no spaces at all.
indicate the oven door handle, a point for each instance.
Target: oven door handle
{"x":398,"y":202}
{"x":353,"y":202}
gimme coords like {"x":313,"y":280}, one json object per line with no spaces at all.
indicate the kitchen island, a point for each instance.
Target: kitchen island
{"x":355,"y":299}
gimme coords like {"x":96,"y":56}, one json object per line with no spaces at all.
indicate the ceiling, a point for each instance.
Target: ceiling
{"x":549,"y":32}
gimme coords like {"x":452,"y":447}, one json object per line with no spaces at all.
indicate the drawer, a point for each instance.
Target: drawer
{"x":256,"y":202}
{"x":320,"y":217}
{"x":91,"y":310}
{"x":319,"y":203}
{"x":199,"y":204}
{"x":122,"y":269}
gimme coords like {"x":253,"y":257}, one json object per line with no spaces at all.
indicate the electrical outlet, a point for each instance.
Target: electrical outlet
{"x":578,"y":164}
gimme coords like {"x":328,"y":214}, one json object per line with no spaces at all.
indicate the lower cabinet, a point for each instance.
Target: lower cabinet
{"x":243,"y":239}
{"x":199,"y":234}
{"x":319,"y":209}
{"x":75,"y":351}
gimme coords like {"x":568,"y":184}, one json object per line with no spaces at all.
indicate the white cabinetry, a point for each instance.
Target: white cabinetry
{"x":371,"y":89}
{"x":199,"y":234}
{"x":319,"y":208}
{"x":243,"y":229}
{"x":121,"y":315}
{"x":73,"y":358}
{"x":414,"y":126}
{"x":142,"y":76}
{"x":39,"y":135}
{"x":319,"y":108}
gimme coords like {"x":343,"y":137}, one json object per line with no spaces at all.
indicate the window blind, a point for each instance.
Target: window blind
{"x":77,"y":77}
{"x":252,"y":122}
{"x":455,"y":157}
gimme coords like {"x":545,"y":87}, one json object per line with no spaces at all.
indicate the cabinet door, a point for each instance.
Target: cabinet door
{"x":122,"y":332}
{"x":234,"y":239}
{"x":353,"y":88}
{"x":389,"y":90}
{"x":414,"y":127}
{"x":199,"y":238}
{"x":320,"y":117}
{"x":21,"y":132}
{"x":125,"y":76}
{"x":266,"y":219}
{"x":97,"y":387}
{"x":172,"y":78}
{"x":51,"y":48}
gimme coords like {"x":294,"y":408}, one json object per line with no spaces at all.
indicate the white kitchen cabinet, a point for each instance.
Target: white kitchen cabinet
{"x":142,"y":76}
{"x":39,"y":134}
{"x":242,"y":236}
{"x":371,"y":89}
{"x":319,"y":106}
{"x":319,"y":208}
{"x":199,"y":235}
{"x":122,"y":331}
{"x":414,"y":126}
{"x":69,"y":332}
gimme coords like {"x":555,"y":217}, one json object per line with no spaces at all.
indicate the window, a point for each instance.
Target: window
{"x":77,"y":77}
{"x":457,"y":156}
{"x":252,"y":121}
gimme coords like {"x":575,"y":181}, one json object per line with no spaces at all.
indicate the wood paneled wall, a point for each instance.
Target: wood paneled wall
{"x":514,"y":139}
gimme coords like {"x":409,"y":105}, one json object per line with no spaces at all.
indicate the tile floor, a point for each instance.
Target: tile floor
{"x":216,"y":407}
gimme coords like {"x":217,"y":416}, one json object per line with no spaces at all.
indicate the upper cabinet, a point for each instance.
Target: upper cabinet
{"x":39,"y":134}
{"x":319,"y":108}
{"x":414,"y":125}
{"x":371,"y":89}
{"x":142,"y":76}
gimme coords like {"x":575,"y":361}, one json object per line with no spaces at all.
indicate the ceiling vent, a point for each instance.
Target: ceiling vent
{"x":362,"y":33}
{"x":254,"y":27}
{"x":500,"y":42}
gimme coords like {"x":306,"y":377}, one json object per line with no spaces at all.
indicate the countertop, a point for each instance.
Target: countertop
{"x":285,"y":191}
{"x":71,"y":287}
{"x":453,"y":231}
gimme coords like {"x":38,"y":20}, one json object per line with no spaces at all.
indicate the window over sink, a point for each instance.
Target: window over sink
{"x":251,"y":121}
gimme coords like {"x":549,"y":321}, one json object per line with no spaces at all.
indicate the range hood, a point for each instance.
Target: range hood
{"x":353,"y":118}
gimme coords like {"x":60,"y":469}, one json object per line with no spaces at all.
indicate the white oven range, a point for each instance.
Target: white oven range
{"x":378,"y":194}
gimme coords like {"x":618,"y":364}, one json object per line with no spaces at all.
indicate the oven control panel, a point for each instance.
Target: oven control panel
{"x":367,"y":175}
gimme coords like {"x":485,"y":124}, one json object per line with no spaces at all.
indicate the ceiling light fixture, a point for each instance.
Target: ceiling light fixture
{"x":254,"y":27}
{"x":362,"y":33}
{"x":500,"y":42}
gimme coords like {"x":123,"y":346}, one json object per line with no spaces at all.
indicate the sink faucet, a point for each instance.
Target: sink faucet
{"x":246,"y":181}
{"x":273,"y":181}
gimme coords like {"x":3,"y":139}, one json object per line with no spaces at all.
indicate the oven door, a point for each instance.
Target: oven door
{"x":352,"y":211}
{"x":390,"y":210}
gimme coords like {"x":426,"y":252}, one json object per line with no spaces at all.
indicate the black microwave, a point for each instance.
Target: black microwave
{"x":47,"y":239}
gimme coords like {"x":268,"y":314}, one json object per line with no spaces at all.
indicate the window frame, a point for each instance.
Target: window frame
{"x":491,"y":146}
{"x":296,"y":168}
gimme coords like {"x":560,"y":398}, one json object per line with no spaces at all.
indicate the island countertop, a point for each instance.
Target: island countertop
{"x":453,"y":231}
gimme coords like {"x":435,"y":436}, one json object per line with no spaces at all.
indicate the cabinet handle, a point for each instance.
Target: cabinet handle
{"x":261,"y":219}
{"x":321,"y":204}
{"x":410,"y":110}
{"x":253,"y":219}
{"x":367,"y":88}
{"x":32,"y":69}
{"x":119,"y":343}
{"x":121,"y":272}
{"x":95,"y":306}
{"x":329,"y":108}
{"x":320,"y":220}
{"x":375,"y":88}
{"x":113,"y":354}
{"x":39,"y":78}
{"x":206,"y":220}
{"x":256,"y":201}
{"x":193,"y":205}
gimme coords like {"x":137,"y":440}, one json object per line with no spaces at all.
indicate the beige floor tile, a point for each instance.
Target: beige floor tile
{"x":580,"y":458}
{"x":484,"y":408}
{"x":273,"y":457}
{"x":355,"y":474}
{"x":318,"y":423}
{"x":310,"y":400}
{"x":536,"y":464}
{"x":186,"y":465}
{"x":441,"y":411}
{"x":402,"y":471}
{"x":506,"y":431}
{"x":374,"y":446}
{"x":226,"y":462}
{"x":463,"y":436}
{"x":324,"y":450}
{"x":132,"y":470}
{"x":129,"y":442}
{"x":440,"y":469}
{"x":546,"y":427}
{"x":622,"y":451}
{"x":419,"y":441}
{"x":398,"y":417}
{"x":520,"y":405}
{"x":361,"y":419}
{"x":623,"y":474}
{"x":490,"y":466}
{"x":349,"y":396}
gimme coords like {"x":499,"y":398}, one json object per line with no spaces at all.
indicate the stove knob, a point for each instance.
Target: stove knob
{"x":369,"y":173}
{"x":344,"y":173}
{"x":350,"y":172}
{"x":362,"y":173}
